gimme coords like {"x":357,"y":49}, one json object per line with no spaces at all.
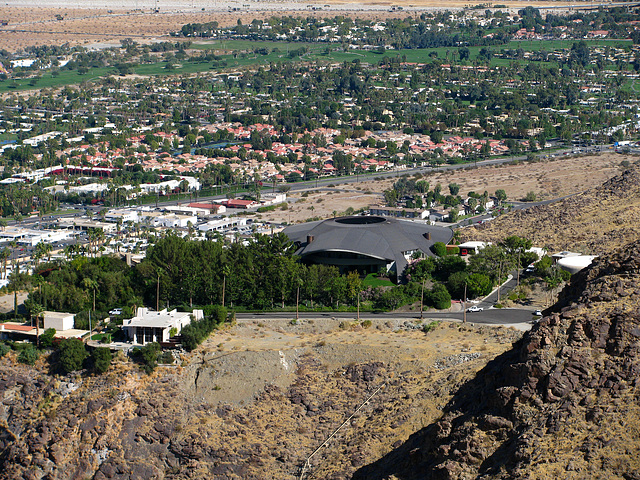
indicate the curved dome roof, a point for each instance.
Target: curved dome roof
{"x":378,"y":237}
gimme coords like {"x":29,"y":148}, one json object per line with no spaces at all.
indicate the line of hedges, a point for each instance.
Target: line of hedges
{"x":198,"y":330}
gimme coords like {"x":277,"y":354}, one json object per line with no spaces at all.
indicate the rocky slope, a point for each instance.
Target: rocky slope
{"x":596,"y":221}
{"x":254,"y":409}
{"x":563,"y":403}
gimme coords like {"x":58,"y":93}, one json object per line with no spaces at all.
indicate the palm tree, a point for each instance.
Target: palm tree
{"x":89,"y":283}
{"x":226,"y":271}
{"x":5,"y":253}
{"x":36,"y":312}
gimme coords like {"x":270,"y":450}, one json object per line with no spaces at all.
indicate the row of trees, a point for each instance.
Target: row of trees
{"x":262,"y":274}
{"x":481,"y":273}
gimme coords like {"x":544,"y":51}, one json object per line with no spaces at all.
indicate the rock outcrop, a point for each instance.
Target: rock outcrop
{"x":563,"y":403}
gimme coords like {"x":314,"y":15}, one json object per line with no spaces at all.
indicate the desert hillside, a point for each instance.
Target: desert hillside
{"x":597,"y":221}
{"x":252,"y":403}
{"x":563,"y":403}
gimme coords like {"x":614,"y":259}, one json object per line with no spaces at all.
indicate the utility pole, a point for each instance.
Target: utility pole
{"x":499,"y":280}
{"x":158,"y":294}
{"x":464,"y":304}
{"x":422,"y":301}
{"x":297,"y":302}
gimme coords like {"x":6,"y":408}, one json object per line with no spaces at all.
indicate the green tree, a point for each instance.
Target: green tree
{"x":447,"y":266}
{"x":423,"y":269}
{"x":149,"y":355}
{"x":439,"y":249}
{"x":543,"y":266}
{"x":439,"y":297}
{"x":456,"y":284}
{"x":101,"y":359}
{"x":46,"y":339}
{"x":478,"y":285}
{"x":72,"y":354}
{"x":515,"y":245}
{"x":501,"y":195}
{"x":28,"y":356}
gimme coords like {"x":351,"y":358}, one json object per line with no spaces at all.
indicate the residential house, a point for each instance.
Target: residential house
{"x":149,"y":326}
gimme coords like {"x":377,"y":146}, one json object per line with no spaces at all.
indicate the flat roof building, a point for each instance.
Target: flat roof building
{"x":58,"y":320}
{"x":149,"y":326}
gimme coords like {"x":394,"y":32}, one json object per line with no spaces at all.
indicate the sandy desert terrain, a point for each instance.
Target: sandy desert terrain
{"x":88,"y":22}
{"x":548,"y":179}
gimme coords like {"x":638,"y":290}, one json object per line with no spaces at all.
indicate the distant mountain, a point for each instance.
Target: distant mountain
{"x":596,"y":221}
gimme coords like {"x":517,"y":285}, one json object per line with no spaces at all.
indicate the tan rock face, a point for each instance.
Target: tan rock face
{"x":597,"y":221}
{"x":563,"y":402}
{"x":218,"y":416}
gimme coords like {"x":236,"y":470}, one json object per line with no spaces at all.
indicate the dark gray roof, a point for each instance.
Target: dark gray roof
{"x":379,"y":237}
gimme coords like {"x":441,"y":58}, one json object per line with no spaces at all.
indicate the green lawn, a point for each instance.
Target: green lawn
{"x":316,"y":52}
{"x":99,"y":336}
{"x":372,"y":280}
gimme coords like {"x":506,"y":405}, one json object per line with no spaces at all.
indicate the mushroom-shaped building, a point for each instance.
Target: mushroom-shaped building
{"x":366,"y":244}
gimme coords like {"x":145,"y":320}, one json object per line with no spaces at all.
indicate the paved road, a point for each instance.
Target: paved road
{"x":494,"y":316}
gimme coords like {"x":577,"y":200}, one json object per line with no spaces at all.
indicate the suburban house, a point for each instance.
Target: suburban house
{"x":398,"y":212}
{"x":472,"y":247}
{"x":149,"y":326}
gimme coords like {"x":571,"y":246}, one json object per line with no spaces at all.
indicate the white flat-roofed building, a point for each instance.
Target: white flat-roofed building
{"x":90,"y":188}
{"x":58,"y":320}
{"x":147,"y":326}
{"x":472,"y":247}
{"x":26,"y":236}
{"x":121,"y":215}
{"x":185,"y":210}
{"x":223,"y":224}
{"x":273,"y":198}
{"x":77,"y":223}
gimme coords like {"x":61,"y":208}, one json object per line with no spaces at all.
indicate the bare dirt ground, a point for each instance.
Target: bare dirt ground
{"x":297,"y":383}
{"x":6,"y":301}
{"x":93,"y":22}
{"x":548,"y":179}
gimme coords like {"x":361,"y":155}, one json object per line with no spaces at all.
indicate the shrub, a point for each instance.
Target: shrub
{"x":72,"y":354}
{"x":28,"y":356}
{"x":46,"y":339}
{"x":390,"y":299}
{"x":101,"y":359}
{"x":195,"y":333}
{"x":439,"y":297}
{"x":439,"y":249}
{"x":4,"y":349}
{"x":149,"y":354}
{"x":166,"y":358}
{"x":366,"y":324}
{"x":430,"y":326}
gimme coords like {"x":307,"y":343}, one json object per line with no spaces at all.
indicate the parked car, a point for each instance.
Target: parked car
{"x":115,"y":311}
{"x":474,"y":309}
{"x":538,"y":313}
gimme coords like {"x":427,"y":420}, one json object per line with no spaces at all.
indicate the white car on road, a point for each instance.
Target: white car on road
{"x":474,"y":309}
